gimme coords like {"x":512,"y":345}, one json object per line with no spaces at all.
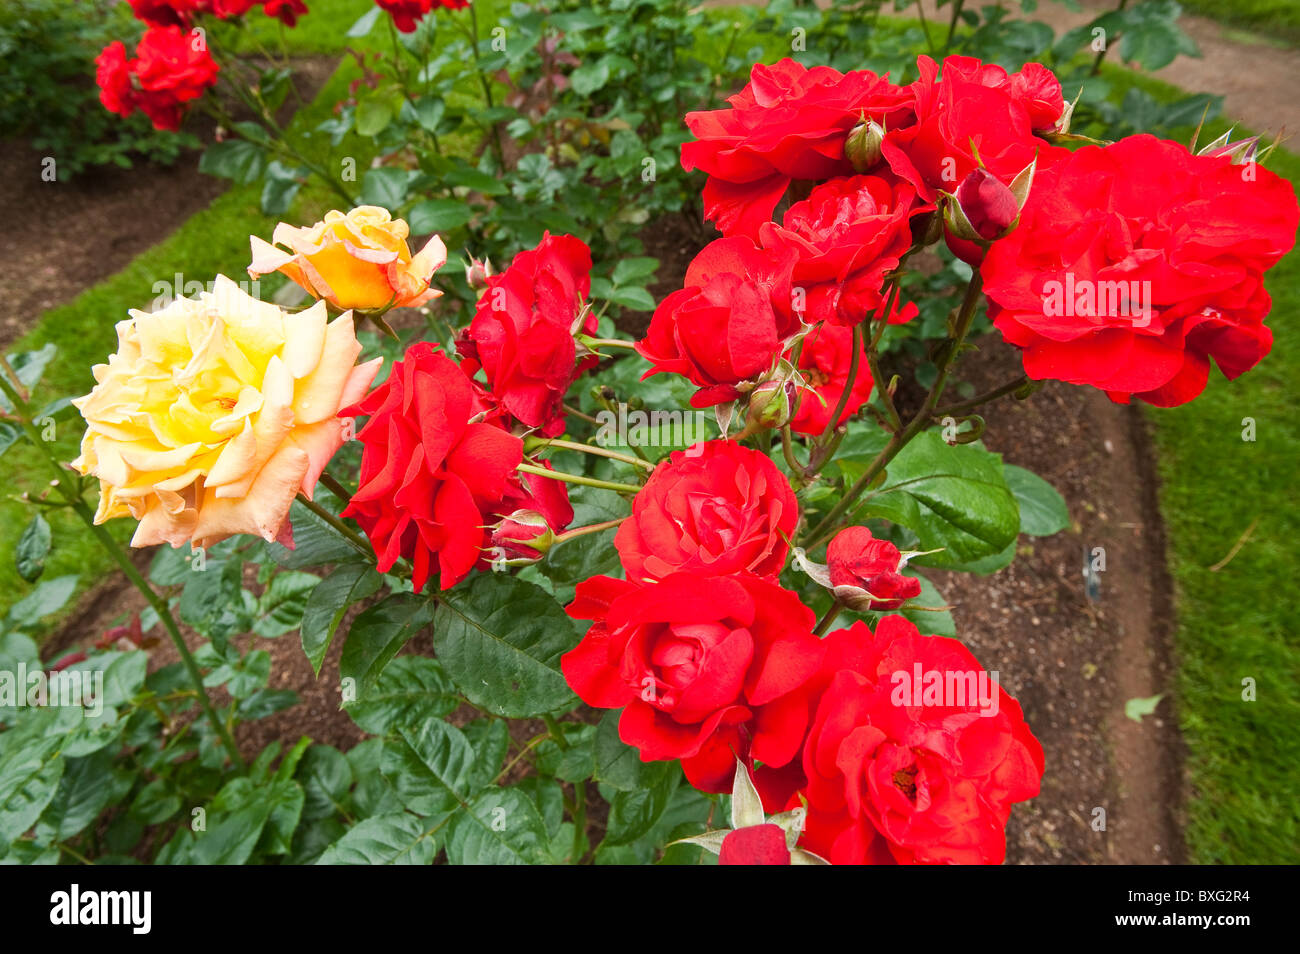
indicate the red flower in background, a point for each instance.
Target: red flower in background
{"x":1135,"y":265}
{"x":113,"y":76}
{"x":406,"y":14}
{"x":728,"y":324}
{"x":788,"y":123}
{"x":824,"y":362}
{"x":166,"y":12}
{"x":286,"y":11}
{"x":896,"y":771}
{"x":716,"y":509}
{"x":522,"y":333}
{"x":847,"y":234}
{"x":171,"y":68}
{"x":706,"y":669}
{"x":435,"y":468}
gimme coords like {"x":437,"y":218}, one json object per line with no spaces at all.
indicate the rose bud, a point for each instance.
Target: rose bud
{"x":522,"y":538}
{"x":864,"y":574}
{"x":862,"y":148}
{"x":477,"y":273}
{"x":982,"y":208}
{"x":773,"y":403}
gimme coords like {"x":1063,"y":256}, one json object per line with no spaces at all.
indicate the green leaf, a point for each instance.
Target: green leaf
{"x":429,"y":111}
{"x":1042,"y":510}
{"x":385,"y":187}
{"x":33,"y":548}
{"x":315,"y":542}
{"x":281,"y":186}
{"x":632,"y":814}
{"x":9,"y":434}
{"x":235,"y":821}
{"x":47,"y":598}
{"x":236,"y":159}
{"x":28,"y":780}
{"x":500,"y":639}
{"x":280,"y":609}
{"x":378,"y":633}
{"x":634,"y":269}
{"x":954,"y":497}
{"x":429,"y":767}
{"x":396,"y":838}
{"x":438,"y":215}
{"x":328,"y":603}
{"x":87,"y":786}
{"x":325,"y":777}
{"x":364,"y":23}
{"x":155,"y":803}
{"x":638,"y":299}
{"x":617,"y":763}
{"x":373,"y":115}
{"x":1135,"y":709}
{"x":410,"y":691}
{"x":501,"y":827}
{"x":930,"y":622}
{"x":589,"y":77}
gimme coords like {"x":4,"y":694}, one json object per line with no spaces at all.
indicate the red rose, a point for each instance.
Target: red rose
{"x":407,"y":13}
{"x":172,"y":67}
{"x":286,"y":11}
{"x":788,"y":123}
{"x":716,"y":509}
{"x":856,"y":559}
{"x":730,"y":322}
{"x":824,"y":362}
{"x":847,"y":234}
{"x":707,"y":668}
{"x":1134,"y":265}
{"x":229,"y":9}
{"x":114,"y":79}
{"x":534,"y":512}
{"x":166,"y":12}
{"x":923,"y":771}
{"x":429,"y":477}
{"x":522,"y":333}
{"x":755,"y":845}
{"x":989,"y":206}
{"x":972,"y":107}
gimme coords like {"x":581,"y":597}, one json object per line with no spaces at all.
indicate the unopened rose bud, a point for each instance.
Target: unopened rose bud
{"x":773,"y":403}
{"x":523,"y":537}
{"x":982,"y":208}
{"x":1240,"y":152}
{"x":862,"y":148}
{"x":477,"y":273}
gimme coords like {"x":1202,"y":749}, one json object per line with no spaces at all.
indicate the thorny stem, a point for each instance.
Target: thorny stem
{"x":598,"y":452}
{"x":825,"y":622}
{"x":900,"y":439}
{"x":590,"y":528}
{"x":105,"y":539}
{"x":992,"y":395}
{"x":578,"y":479}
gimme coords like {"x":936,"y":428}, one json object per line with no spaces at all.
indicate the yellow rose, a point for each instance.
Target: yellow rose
{"x":215,"y":412}
{"x":359,"y":260}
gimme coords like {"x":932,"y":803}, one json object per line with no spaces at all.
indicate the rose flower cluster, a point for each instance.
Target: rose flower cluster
{"x":1128,"y":267}
{"x":173,"y":67}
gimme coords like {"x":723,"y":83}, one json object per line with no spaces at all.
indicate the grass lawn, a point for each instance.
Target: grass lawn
{"x":1273,"y":18}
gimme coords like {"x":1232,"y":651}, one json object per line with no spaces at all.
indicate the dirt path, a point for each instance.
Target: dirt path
{"x":1255,"y":76}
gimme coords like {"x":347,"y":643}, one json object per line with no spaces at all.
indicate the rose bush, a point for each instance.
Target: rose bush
{"x":743,"y":611}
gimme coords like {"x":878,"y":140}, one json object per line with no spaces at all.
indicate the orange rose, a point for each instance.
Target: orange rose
{"x":359,"y":260}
